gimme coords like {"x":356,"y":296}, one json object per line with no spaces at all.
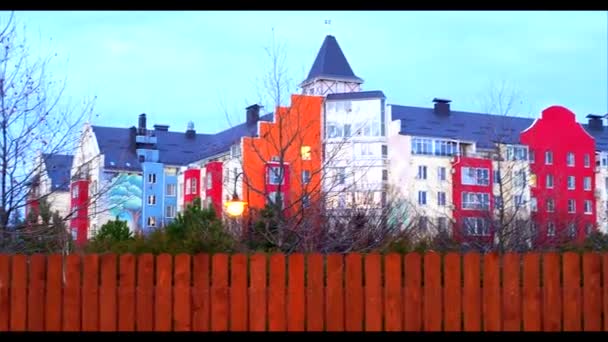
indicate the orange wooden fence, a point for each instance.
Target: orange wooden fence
{"x":352,"y":292}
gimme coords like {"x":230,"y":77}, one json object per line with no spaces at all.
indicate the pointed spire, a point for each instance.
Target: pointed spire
{"x":331,"y":63}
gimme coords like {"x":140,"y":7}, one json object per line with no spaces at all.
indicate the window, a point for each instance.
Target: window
{"x":518,"y":200}
{"x":275,"y":175}
{"x":151,"y":221}
{"x":441,"y":173}
{"x":548,"y":157}
{"x":423,"y":223}
{"x":570,"y":159}
{"x":383,"y":198}
{"x":194,"y":186}
{"x":341,"y":175}
{"x":171,"y":189}
{"x":571,"y":181}
{"x":476,"y":226}
{"x":571,"y":230}
{"x":588,"y":207}
{"x":384,"y":151}
{"x":305,"y":201}
{"x":549,"y":181}
{"x":151,"y":200}
{"x":170,"y":211}
{"x":305,"y":152}
{"x":587,"y":183}
{"x":438,"y":147}
{"x":274,"y":197}
{"x":171,"y":171}
{"x":475,"y":201}
{"x":520,"y":179}
{"x":441,"y":198}
{"x":442,"y":224}
{"x":475,"y":176}
{"x":342,"y":201}
{"x":384,"y":175}
{"x":496,"y":176}
{"x":188,"y":186}
{"x":588,"y":228}
{"x":550,"y":205}
{"x":533,"y":204}
{"x":209,"y":181}
{"x":531,"y":156}
{"x":364,"y":150}
{"x":497,"y":202}
{"x":445,"y":148}
{"x":347,"y":130}
{"x":75,"y":191}
{"x":571,"y":206}
{"x":152,"y":178}
{"x":305,"y":177}
{"x":587,"y":160}
{"x":422,"y":197}
{"x":517,"y":153}
{"x":551,"y":229}
{"x":421,"y":172}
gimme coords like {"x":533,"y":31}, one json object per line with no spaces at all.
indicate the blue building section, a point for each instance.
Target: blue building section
{"x":170,"y":195}
{"x":153,"y":195}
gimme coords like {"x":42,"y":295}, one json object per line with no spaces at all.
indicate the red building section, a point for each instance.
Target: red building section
{"x":214,"y":185}
{"x":563,"y":160}
{"x":79,"y":194}
{"x":277,"y":181}
{"x":191,"y":185}
{"x":472,"y":197}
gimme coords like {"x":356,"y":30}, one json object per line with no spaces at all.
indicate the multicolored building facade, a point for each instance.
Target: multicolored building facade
{"x":459,"y":171}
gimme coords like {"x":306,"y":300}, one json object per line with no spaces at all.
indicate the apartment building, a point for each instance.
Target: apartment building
{"x":51,"y":182}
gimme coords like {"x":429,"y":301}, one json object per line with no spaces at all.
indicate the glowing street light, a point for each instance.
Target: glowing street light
{"x":235,"y":207}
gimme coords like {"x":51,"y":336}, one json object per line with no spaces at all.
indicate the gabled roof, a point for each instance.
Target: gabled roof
{"x":175,"y":148}
{"x":358,"y":95}
{"x":331,"y":63}
{"x":484,"y":129}
{"x":58,"y":168}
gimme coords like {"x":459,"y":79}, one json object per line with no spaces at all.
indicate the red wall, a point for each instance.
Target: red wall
{"x":458,"y":188}
{"x":558,"y":131}
{"x":214,"y":170}
{"x":79,"y":209}
{"x":189,"y":175}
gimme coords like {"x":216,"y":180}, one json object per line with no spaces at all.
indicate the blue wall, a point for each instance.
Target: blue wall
{"x":153,"y":189}
{"x":169,"y":200}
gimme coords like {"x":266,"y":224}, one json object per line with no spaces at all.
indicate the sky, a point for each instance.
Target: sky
{"x":199,"y":66}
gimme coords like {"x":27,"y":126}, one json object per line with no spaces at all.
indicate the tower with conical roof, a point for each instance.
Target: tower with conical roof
{"x":330,"y":73}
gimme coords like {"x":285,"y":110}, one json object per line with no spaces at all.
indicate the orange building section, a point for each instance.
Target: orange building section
{"x":292,"y":141}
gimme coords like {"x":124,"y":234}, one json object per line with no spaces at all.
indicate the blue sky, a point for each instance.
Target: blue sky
{"x":189,"y":65}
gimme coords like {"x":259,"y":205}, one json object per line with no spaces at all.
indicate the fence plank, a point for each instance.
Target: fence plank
{"x":72,"y":293}
{"x":296,"y":296}
{"x":5,"y":280}
{"x":373,"y":293}
{"x":145,"y":293}
{"x":257,"y":293}
{"x":315,"y":303}
{"x":219,"y":292}
{"x":201,"y":309}
{"x":452,"y":294}
{"x":126,"y":293}
{"x":90,"y":293}
{"x":552,"y":307}
{"x":53,"y":307}
{"x":163,"y":308}
{"x":182,"y":319}
{"x":18,"y":319}
{"x":491,"y":293}
{"x":471,"y":303}
{"x":592,"y":294}
{"x":108,"y":313}
{"x":413,"y":292}
{"x":432,"y":292}
{"x":393,"y":299}
{"x":531,"y":305}
{"x":571,"y":294}
{"x":335,"y":292}
{"x":35,"y":299}
{"x":354,"y":293}
{"x":238,"y":293}
{"x":276,"y":300}
{"x":511,"y":318}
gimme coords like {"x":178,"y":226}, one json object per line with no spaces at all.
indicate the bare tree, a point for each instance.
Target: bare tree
{"x":34,"y":119}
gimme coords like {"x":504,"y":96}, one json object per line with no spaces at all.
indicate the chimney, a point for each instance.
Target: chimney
{"x":190,"y":132}
{"x":595,"y":122}
{"x":161,"y":128}
{"x":142,"y":124}
{"x":253,"y":114}
{"x":442,"y":106}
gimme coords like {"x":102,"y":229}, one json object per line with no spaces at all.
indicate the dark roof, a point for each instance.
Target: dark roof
{"x":331,"y":63}
{"x":58,"y":168}
{"x":484,"y":129}
{"x":175,"y":148}
{"x":371,"y":94}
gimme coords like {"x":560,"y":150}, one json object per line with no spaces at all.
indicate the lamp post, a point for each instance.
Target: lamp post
{"x":235,"y":206}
